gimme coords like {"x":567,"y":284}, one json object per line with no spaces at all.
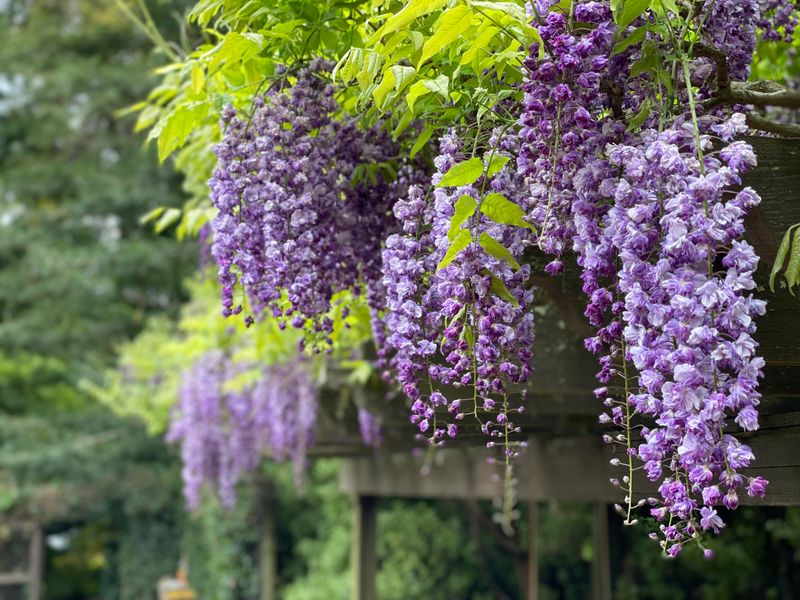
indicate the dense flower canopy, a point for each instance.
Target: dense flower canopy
{"x":614,"y":150}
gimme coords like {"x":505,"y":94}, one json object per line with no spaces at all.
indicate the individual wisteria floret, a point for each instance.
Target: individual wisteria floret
{"x":465,"y":323}
{"x":224,"y":432}
{"x":292,"y":228}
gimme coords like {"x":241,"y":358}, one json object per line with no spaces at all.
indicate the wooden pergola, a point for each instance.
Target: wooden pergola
{"x":566,"y":458}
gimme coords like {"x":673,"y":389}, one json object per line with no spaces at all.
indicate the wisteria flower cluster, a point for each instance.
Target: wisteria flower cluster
{"x":610,"y":158}
{"x":292,"y":229}
{"x":224,"y":432}
{"x":459,"y":318}
{"x":656,"y":220}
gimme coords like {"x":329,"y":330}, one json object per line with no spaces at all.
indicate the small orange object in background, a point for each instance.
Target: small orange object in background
{"x":175,"y":588}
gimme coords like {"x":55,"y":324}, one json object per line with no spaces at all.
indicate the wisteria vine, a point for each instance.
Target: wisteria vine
{"x":621,"y":153}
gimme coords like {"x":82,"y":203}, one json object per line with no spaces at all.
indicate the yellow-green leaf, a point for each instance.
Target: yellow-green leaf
{"x":502,"y":210}
{"x":152,"y":215}
{"x":411,"y":11}
{"x":387,"y":85}
{"x":440,"y":85}
{"x":630,"y":10}
{"x":174,"y":129}
{"x":462,"y":241}
{"x":462,"y":173}
{"x":170,"y":216}
{"x":417,"y":90}
{"x":402,"y":76}
{"x":465,"y":208}
{"x":497,"y":250}
{"x":448,"y":28}
{"x":496,"y":164}
{"x":423,"y":138}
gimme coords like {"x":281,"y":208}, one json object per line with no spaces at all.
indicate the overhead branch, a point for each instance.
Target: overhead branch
{"x":754,"y":93}
{"x":783,"y":129}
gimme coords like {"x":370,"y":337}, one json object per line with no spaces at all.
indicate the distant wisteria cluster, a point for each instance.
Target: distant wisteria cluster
{"x":627,"y":166}
{"x":225,"y":430}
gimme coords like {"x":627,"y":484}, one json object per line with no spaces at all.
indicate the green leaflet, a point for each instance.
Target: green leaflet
{"x":402,"y":76}
{"x":417,"y":90}
{"x":462,"y":241}
{"x":450,"y":26}
{"x":780,"y":258}
{"x":152,"y":215}
{"x":497,"y":250}
{"x":411,"y":11}
{"x":174,"y":129}
{"x":440,"y":85}
{"x":463,"y":173}
{"x":170,"y":216}
{"x":636,"y":37}
{"x":499,"y":289}
{"x":640,"y":117}
{"x":426,"y":86}
{"x":501,"y":210}
{"x":496,"y":164}
{"x":423,"y":138}
{"x":387,"y":84}
{"x":792,"y":274}
{"x":627,"y":11}
{"x":465,"y":208}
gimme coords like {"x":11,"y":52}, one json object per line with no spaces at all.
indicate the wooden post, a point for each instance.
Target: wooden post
{"x":268,"y":550}
{"x":364,"y":558}
{"x":533,"y":551}
{"x":601,"y":566}
{"x":36,"y":558}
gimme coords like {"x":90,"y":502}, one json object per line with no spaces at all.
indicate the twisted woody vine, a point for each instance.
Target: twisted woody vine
{"x":409,"y":159}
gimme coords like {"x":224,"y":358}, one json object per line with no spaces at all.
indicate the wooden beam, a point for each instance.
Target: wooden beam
{"x":532,"y":579}
{"x":601,"y":563}
{"x":364,"y":558}
{"x":268,"y":551}
{"x":14,"y":578}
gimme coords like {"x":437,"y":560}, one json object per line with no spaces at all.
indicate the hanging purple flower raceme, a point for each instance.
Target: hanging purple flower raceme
{"x":292,"y":229}
{"x":285,"y":403}
{"x":224,"y":432}
{"x":370,"y":428}
{"x":200,"y":423}
{"x":686,"y":282}
{"x":656,"y":221}
{"x":459,"y":310}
